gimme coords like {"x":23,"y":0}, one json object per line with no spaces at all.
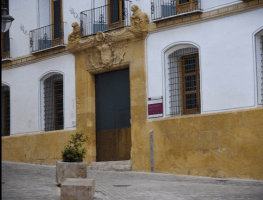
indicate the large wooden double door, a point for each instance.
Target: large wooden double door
{"x":113,"y":128}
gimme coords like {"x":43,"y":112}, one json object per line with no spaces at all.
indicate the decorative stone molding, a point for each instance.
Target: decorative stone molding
{"x":107,"y":49}
{"x":139,"y":20}
{"x":76,"y":34}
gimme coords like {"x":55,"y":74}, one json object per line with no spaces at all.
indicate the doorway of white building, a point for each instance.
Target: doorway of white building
{"x":113,"y":127}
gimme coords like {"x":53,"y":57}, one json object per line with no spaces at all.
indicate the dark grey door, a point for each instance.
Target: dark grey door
{"x":113,"y":137}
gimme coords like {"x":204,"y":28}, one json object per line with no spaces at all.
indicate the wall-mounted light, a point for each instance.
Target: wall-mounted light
{"x":6,"y":20}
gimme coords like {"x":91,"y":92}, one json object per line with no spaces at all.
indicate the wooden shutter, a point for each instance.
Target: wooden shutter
{"x":190,"y":86}
{"x":184,"y":6}
{"x":57,"y":22}
{"x":115,"y":13}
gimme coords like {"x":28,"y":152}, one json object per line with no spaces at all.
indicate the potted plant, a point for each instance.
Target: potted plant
{"x":72,"y":165}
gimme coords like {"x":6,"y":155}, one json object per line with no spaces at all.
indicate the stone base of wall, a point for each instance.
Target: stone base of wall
{"x":40,"y":148}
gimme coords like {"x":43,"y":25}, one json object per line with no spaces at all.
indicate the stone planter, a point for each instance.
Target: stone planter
{"x":66,"y":170}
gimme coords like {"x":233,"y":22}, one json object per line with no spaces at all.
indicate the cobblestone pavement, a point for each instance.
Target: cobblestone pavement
{"x":38,"y":182}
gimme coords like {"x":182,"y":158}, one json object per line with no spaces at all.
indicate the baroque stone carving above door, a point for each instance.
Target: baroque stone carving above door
{"x":107,"y":49}
{"x":107,"y":52}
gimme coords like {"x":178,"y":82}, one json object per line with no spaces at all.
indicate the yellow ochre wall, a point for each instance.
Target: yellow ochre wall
{"x":40,"y":148}
{"x":228,"y":144}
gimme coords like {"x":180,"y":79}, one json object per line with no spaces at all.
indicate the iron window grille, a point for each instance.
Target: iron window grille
{"x":161,"y":9}
{"x":114,"y":15}
{"x":5,"y":101}
{"x":53,"y":103}
{"x":184,"y":82}
{"x":261,"y":68}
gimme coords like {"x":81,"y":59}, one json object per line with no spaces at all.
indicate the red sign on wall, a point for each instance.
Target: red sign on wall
{"x":155,"y":107}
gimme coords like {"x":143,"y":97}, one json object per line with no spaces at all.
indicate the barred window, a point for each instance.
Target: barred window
{"x":184,"y":82}
{"x":5,"y":104}
{"x":259,"y":66}
{"x":53,"y":103}
{"x":261,"y":69}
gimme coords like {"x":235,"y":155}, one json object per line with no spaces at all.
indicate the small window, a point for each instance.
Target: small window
{"x":259,"y":65}
{"x":5,"y":101}
{"x":184,"y":82}
{"x":53,"y":103}
{"x":261,"y":69}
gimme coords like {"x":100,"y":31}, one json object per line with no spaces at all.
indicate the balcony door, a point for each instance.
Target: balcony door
{"x":57,"y":25}
{"x":184,"y":6}
{"x":115,"y":13}
{"x":5,"y":42}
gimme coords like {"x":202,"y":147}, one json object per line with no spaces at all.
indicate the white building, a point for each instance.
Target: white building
{"x":46,"y":27}
{"x":227,"y":55}
{"x":192,"y":82}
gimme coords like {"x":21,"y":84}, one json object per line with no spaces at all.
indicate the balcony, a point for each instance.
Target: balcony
{"x":47,"y":37}
{"x":5,"y":49}
{"x":104,"y":18}
{"x":163,"y":9}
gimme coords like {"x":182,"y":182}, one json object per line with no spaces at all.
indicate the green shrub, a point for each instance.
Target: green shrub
{"x":73,"y":152}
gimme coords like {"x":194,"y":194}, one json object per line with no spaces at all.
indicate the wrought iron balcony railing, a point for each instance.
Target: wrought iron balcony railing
{"x":111,"y":16}
{"x":5,"y":48}
{"x":161,"y":9}
{"x":47,"y":37}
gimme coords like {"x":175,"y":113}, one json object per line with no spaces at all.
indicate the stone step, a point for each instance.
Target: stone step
{"x":111,"y":166}
{"x":111,"y":163}
{"x":121,"y":167}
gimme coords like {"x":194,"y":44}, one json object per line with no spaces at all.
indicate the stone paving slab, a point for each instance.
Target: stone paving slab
{"x":32,"y":182}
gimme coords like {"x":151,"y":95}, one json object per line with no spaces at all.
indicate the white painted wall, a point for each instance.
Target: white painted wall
{"x":44,"y":10}
{"x":78,"y":6}
{"x":24,"y":13}
{"x":24,"y":84}
{"x":33,"y":14}
{"x":212,"y":4}
{"x":227,"y":68}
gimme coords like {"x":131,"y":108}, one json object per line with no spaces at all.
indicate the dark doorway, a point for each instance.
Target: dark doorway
{"x":113,"y":136}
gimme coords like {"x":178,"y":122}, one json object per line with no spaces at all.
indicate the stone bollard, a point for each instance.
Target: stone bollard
{"x":78,"y":189}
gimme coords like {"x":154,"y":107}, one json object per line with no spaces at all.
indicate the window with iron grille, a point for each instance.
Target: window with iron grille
{"x":5,"y":104}
{"x":262,"y":69}
{"x":53,"y":103}
{"x":184,"y":82}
